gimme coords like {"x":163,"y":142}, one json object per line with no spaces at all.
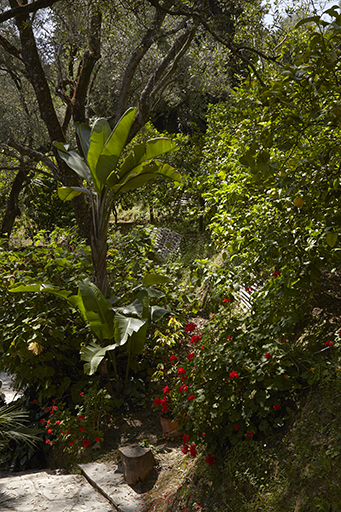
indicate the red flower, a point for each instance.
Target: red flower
{"x":182,"y":389}
{"x":86,"y":443}
{"x":80,"y":417}
{"x":157,"y":401}
{"x":48,"y":422}
{"x":47,"y":441}
{"x":163,"y":400}
{"x":229,"y":337}
{"x":81,"y":429}
{"x":226,"y":300}
{"x":190,"y":327}
{"x":268,"y":355}
{"x":276,"y":274}
{"x":193,"y":450}
{"x":173,"y":358}
{"x":196,"y":337}
{"x":72,"y":443}
{"x":328,"y":343}
{"x":236,"y":427}
{"x":166,"y":390}
{"x":34,"y":401}
{"x":49,"y":431}
{"x":185,"y":449}
{"x":97,"y":439}
{"x":276,"y":407}
{"x":68,"y":432}
{"x":57,"y":422}
{"x":165,"y":408}
{"x":190,"y":356}
{"x":211,"y":459}
{"x":234,"y":375}
{"x":82,"y":393}
{"x":248,"y":289}
{"x":191,"y":397}
{"x":284,"y":340}
{"x":185,"y":438}
{"x":42,"y":420}
{"x":181,"y":371}
{"x":249,"y":434}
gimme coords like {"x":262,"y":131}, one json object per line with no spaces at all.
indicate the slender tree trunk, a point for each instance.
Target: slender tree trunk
{"x":12,"y":207}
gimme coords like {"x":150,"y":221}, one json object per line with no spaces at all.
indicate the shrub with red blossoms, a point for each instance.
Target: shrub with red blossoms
{"x":182,"y":389}
{"x":234,"y":375}
{"x":190,"y":327}
{"x":196,"y":337}
{"x":173,"y":358}
{"x":181,"y":371}
{"x":211,"y":459}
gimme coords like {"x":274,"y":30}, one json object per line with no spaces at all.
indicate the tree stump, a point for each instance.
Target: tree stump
{"x":137,"y":463}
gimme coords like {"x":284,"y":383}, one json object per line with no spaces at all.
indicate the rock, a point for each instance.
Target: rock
{"x":137,"y":463}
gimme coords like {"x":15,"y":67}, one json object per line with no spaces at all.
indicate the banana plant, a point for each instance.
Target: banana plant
{"x":112,"y":326}
{"x":107,"y":175}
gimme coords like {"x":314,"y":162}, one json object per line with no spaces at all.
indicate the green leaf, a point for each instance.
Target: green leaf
{"x":156,"y":312}
{"x":125,"y":326}
{"x":331,"y":239}
{"x":97,"y":310}
{"x":310,"y":19}
{"x":84,"y":133}
{"x":114,"y":146}
{"x":93,"y":354}
{"x":150,"y":279}
{"x":74,"y":161}
{"x":68,"y":193}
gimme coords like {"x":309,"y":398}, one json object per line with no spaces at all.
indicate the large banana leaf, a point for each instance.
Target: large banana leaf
{"x":75,"y":300}
{"x":74,"y":161}
{"x":97,"y":309}
{"x":125,"y":327}
{"x":68,"y":193}
{"x":84,"y":133}
{"x":93,"y":354}
{"x":111,"y":152}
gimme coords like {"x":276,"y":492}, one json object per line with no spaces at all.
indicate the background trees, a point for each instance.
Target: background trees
{"x":78,"y":60}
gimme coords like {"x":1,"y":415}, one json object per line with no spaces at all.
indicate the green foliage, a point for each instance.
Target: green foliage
{"x":242,"y":382}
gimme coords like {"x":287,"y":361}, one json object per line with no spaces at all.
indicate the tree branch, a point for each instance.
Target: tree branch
{"x":10,"y":48}
{"x":26,"y":9}
{"x":35,"y":155}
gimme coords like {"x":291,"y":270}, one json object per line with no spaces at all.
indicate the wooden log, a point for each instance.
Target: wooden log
{"x":137,"y":463}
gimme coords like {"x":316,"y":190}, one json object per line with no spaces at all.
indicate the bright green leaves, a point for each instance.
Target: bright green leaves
{"x":103,"y":148}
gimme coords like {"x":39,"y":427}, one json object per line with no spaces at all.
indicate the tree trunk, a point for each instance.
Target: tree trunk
{"x":12,"y":207}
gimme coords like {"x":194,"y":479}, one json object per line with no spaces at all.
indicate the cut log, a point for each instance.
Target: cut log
{"x":137,"y":463}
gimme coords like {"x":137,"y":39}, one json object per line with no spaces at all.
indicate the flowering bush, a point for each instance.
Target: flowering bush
{"x":241,"y":383}
{"x":83,"y":428}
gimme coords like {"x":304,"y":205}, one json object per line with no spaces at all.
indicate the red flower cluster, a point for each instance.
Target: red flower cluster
{"x":236,"y":427}
{"x":80,"y":417}
{"x":182,"y":389}
{"x":173,"y":358}
{"x":86,"y":443}
{"x":276,"y":407}
{"x":196,"y":337}
{"x":276,"y":274}
{"x":226,"y":300}
{"x":211,"y":459}
{"x":268,"y":355}
{"x":166,"y":390}
{"x":192,"y":449}
{"x":284,"y":340}
{"x":181,"y":371}
{"x":249,"y":434}
{"x":190,"y":356}
{"x":191,"y":397}
{"x":328,"y":343}
{"x":190,"y":327}
{"x":234,"y":375}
